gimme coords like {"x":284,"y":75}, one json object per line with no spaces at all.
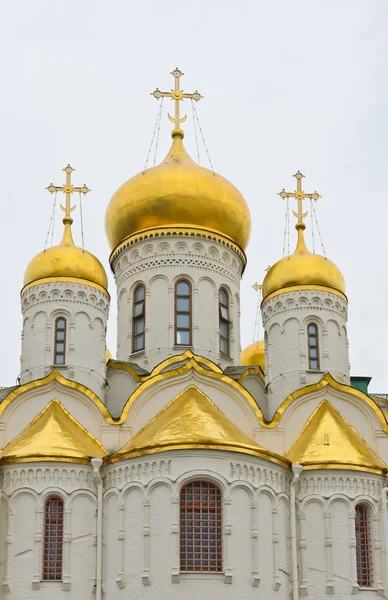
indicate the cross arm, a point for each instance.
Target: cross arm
{"x":283,"y":194}
{"x":196,"y":96}
{"x":54,"y":188}
{"x":84,"y":189}
{"x":158,"y":94}
{"x":313,"y":196}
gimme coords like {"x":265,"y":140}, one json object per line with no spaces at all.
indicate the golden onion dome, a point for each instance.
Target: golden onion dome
{"x":66,"y":262}
{"x":253,"y":355}
{"x":178,"y":193}
{"x":303,"y":270}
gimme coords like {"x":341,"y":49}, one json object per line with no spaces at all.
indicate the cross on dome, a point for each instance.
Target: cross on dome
{"x":177,"y":95}
{"x":300,"y":195}
{"x":68,"y":189}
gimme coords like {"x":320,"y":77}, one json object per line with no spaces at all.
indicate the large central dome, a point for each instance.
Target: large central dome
{"x":178,"y":192}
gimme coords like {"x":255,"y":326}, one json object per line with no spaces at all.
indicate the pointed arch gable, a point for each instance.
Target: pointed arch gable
{"x":326,"y":382}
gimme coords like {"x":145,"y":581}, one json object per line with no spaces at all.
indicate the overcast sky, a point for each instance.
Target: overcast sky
{"x":287,"y":86}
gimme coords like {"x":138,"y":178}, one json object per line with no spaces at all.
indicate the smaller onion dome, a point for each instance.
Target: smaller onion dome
{"x":254,"y":355}
{"x":66,"y":262}
{"x":303,"y":269}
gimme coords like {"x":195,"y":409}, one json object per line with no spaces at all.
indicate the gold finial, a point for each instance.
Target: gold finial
{"x":256,"y":286}
{"x":67,"y":189}
{"x":177,"y":95}
{"x":300,"y":195}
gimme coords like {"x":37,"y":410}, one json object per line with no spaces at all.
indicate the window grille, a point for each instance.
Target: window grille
{"x":200,"y":527}
{"x":224,"y":321}
{"x":53,"y":539}
{"x":60,"y":341}
{"x":363,"y":547}
{"x":138,"y":319}
{"x":183,"y":313}
{"x":313,"y":346}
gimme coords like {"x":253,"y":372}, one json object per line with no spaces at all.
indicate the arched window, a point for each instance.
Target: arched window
{"x":60,"y":341}
{"x":224,"y":320}
{"x":363,"y":546}
{"x":200,"y":527}
{"x":138,"y":318}
{"x":53,"y":539}
{"x":313,"y":346}
{"x":183,"y":313}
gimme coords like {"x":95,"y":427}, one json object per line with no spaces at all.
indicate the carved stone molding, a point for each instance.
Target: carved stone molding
{"x":118,"y":476}
{"x":259,"y":476}
{"x":39,"y":477}
{"x":350,"y":485}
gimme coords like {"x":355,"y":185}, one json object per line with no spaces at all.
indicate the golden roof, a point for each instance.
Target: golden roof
{"x":53,"y":435}
{"x":178,"y":193}
{"x":192,"y":420}
{"x":303,"y":270}
{"x":66,"y":262}
{"x":328,"y":441}
{"x":254,"y":354}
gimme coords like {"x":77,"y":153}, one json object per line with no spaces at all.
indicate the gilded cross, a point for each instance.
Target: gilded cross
{"x":177,"y":95}
{"x":256,"y":286}
{"x":300,"y":195}
{"x":68,"y":189}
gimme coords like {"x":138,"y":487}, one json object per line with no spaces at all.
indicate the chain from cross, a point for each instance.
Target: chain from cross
{"x":300,"y":195}
{"x":177,"y":95}
{"x":68,"y":189}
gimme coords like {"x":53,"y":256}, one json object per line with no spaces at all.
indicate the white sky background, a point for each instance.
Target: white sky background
{"x":288,"y":85}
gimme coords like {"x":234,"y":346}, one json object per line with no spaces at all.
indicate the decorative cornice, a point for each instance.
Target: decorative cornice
{"x":300,"y":288}
{"x":75,"y":280}
{"x":178,"y":231}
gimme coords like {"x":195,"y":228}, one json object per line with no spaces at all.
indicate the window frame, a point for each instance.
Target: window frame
{"x":48,"y":539}
{"x":313,"y":347}
{"x":364,"y":545}
{"x":56,"y":341}
{"x":223,"y":320}
{"x":199,"y":510}
{"x":136,"y":318}
{"x":180,"y":312}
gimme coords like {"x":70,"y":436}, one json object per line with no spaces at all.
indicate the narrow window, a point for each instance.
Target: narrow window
{"x":183,"y":313}
{"x":313,"y":346}
{"x":138,"y":318}
{"x":363,"y":547}
{"x":224,"y":321}
{"x":60,"y":341}
{"x":53,"y":539}
{"x":200,"y":527}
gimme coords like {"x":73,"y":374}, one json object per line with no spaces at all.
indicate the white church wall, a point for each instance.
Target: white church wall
{"x":327,"y":543}
{"x":149,"y":490}
{"x":285,"y":319}
{"x":158,"y":263}
{"x":85,"y":309}
{"x":121,"y":386}
{"x":110,"y":541}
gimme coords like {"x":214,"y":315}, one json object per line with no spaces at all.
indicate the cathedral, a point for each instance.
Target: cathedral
{"x":184,"y":467}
